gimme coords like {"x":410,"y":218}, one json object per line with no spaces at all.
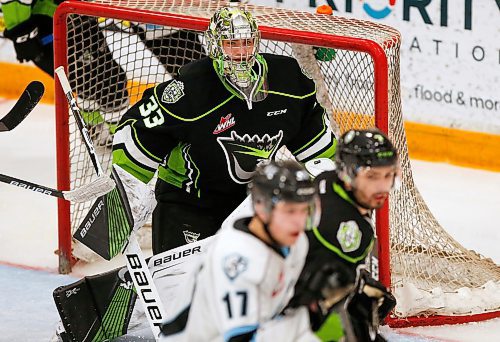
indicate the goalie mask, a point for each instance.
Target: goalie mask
{"x":233,"y":40}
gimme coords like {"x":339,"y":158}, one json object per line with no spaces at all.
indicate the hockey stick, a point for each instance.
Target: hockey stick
{"x":136,"y":263}
{"x":75,"y":111}
{"x":31,"y":186}
{"x":24,"y":106}
{"x":85,"y":193}
{"x":28,"y":100}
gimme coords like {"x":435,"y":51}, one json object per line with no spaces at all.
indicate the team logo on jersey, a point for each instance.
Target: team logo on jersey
{"x":234,"y":265}
{"x":190,"y":236}
{"x":173,"y":92}
{"x":243,"y":153}
{"x":226,"y":122}
{"x":349,"y":236}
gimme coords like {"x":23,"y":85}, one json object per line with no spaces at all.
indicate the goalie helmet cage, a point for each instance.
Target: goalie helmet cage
{"x":434,"y":278}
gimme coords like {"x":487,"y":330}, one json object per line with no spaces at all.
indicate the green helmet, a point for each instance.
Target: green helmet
{"x":233,"y":24}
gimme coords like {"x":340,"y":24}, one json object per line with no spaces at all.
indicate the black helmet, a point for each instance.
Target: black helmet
{"x":364,"y":148}
{"x":275,"y":181}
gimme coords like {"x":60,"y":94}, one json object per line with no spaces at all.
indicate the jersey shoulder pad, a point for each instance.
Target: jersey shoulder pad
{"x":241,"y":255}
{"x":195,"y":93}
{"x":196,"y":69}
{"x":300,"y":250}
{"x":288,"y":77}
{"x":342,"y":228}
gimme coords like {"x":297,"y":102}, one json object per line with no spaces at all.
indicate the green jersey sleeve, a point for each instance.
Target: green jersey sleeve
{"x":15,"y":12}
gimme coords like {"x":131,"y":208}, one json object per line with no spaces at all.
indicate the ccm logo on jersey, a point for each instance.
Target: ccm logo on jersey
{"x":277,"y":112}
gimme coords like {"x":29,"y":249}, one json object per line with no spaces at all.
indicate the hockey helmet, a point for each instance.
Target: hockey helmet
{"x":364,"y":148}
{"x":234,"y":24}
{"x":275,"y":181}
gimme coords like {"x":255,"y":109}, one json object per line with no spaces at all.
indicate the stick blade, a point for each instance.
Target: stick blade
{"x":28,"y":100}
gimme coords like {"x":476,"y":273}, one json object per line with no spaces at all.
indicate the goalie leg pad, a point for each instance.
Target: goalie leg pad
{"x":96,"y":308}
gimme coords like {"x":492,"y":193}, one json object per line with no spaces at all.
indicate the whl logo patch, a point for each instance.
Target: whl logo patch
{"x":226,"y":122}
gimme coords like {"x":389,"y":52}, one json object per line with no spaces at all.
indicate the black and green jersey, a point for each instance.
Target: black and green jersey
{"x":342,"y":230}
{"x":200,"y":135}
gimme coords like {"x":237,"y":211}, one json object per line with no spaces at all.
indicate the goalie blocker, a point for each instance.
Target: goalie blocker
{"x":107,"y":227}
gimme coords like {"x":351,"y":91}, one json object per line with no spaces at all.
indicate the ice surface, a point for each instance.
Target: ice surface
{"x":465,"y":201}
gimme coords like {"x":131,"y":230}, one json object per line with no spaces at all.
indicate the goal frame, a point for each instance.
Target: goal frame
{"x":381,"y":110}
{"x":66,"y":8}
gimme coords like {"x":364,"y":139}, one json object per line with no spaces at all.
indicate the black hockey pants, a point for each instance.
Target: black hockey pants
{"x":180,"y":218}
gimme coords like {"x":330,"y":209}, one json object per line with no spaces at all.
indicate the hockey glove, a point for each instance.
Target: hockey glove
{"x":140,"y":196}
{"x":368,"y":306}
{"x":26,"y":41}
{"x":320,"y":287}
{"x":319,"y":165}
{"x":334,"y":281}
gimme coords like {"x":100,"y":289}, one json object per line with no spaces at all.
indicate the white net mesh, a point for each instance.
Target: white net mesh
{"x":112,"y":61}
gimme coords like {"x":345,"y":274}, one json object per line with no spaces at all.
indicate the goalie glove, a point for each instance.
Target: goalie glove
{"x":319,"y":165}
{"x":140,"y":196}
{"x":98,"y":187}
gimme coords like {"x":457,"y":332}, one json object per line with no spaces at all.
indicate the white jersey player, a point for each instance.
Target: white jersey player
{"x":247,"y":276}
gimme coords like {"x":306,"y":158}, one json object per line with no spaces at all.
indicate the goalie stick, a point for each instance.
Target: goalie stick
{"x":85,"y":193}
{"x":136,"y":263}
{"x":75,"y":111}
{"x":28,"y":100}
{"x":31,"y":186}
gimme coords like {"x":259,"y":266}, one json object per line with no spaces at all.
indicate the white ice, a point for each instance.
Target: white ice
{"x":465,"y":201}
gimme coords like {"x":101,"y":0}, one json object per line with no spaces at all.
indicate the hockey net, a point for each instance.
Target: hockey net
{"x":113,"y":50}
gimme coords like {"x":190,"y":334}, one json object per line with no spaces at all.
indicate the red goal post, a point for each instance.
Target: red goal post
{"x":359,"y":86}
